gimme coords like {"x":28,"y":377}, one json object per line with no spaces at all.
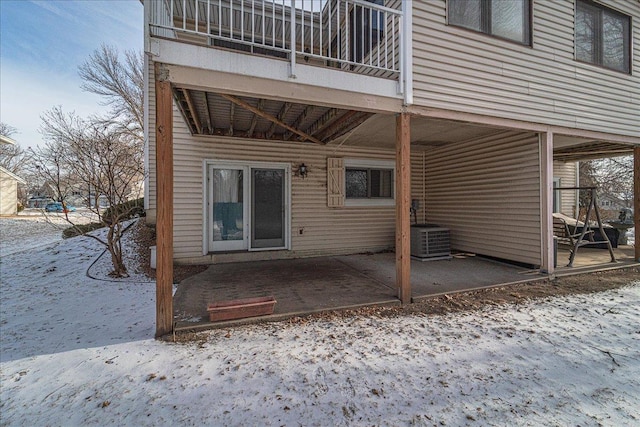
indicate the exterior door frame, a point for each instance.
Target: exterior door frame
{"x":246,"y":166}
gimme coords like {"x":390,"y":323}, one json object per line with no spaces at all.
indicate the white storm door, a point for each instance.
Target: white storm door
{"x":228,"y":210}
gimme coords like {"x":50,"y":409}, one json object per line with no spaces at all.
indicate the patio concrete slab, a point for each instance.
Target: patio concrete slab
{"x":299,"y":286}
{"x":310,"y":285}
{"x":436,"y":277}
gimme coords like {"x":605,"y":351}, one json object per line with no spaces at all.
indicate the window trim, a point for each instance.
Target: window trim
{"x":370,"y":164}
{"x":485,"y":21}
{"x":613,"y":11}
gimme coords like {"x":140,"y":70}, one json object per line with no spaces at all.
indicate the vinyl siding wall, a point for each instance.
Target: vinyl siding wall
{"x":461,"y":70}
{"x":8,"y":195}
{"x":325,"y":231}
{"x":487,"y":191}
{"x":568,"y":174}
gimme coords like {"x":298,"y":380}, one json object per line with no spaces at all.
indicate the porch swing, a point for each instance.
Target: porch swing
{"x":579,"y":234}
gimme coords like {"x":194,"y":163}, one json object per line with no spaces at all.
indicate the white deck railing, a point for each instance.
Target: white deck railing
{"x":354,"y":35}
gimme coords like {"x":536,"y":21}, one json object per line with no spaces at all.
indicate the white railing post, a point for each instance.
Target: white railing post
{"x":292,"y":48}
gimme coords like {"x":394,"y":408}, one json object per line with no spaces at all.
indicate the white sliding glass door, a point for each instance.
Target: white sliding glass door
{"x":247,"y":207}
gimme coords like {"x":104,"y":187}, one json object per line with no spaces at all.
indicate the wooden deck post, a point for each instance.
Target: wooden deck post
{"x":403,"y":196}
{"x":636,"y":199}
{"x":164,"y":203}
{"x":546,"y":203}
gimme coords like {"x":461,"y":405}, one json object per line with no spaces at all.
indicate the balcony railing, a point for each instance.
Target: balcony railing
{"x":351,"y":35}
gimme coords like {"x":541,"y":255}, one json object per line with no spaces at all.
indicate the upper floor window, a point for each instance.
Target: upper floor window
{"x":603,"y":36}
{"x":507,"y":19}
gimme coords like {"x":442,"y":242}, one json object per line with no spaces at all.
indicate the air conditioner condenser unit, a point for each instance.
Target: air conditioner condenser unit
{"x":430,"y":242}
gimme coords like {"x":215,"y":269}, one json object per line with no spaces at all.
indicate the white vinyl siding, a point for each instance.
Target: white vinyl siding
{"x":568,"y":175}
{"x":487,"y":192}
{"x":461,"y":70}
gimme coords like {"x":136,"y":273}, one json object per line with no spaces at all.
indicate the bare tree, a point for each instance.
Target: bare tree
{"x":12,"y":156}
{"x":104,"y":159}
{"x":120,"y":82}
{"x":102,"y":154}
{"x":7,"y":130}
{"x":612,"y":176}
{"x":48,"y":167}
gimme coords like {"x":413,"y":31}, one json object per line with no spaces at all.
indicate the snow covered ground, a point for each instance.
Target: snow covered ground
{"x":79,"y":351}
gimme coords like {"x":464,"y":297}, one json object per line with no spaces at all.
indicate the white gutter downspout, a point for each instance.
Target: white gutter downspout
{"x":292,"y":28}
{"x":407,"y":52}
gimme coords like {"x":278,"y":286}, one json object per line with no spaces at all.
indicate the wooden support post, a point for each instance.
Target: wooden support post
{"x":164,"y":204}
{"x":546,"y":203}
{"x":636,"y":199}
{"x":403,"y":197}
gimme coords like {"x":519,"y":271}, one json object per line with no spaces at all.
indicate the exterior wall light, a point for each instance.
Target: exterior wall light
{"x":302,"y":170}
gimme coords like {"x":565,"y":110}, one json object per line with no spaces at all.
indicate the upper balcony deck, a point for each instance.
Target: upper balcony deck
{"x":306,"y":41}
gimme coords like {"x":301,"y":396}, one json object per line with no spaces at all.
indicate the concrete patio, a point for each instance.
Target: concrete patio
{"x":311,"y":285}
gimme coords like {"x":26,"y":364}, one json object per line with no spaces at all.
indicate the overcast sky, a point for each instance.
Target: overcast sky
{"x":42,"y":43}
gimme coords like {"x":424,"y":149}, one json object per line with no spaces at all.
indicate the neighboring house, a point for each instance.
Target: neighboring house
{"x":9,"y":192}
{"x":8,"y":186}
{"x":611,"y":203}
{"x":610,"y":206}
{"x":271,"y":140}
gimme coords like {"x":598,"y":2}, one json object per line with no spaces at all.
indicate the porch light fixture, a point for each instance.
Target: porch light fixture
{"x":302,"y":170}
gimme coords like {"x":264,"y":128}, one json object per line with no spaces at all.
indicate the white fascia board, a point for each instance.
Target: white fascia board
{"x":206,"y":58}
{"x":7,"y":140}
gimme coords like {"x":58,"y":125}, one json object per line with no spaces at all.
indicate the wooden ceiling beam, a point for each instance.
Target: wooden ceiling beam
{"x":349,"y":126}
{"x":281,"y":115}
{"x":188,"y":118}
{"x":269,"y":117}
{"x":192,"y":109}
{"x":323,"y":121}
{"x":254,"y":119}
{"x":232,"y":114}
{"x":207,"y":113}
{"x":337,"y":125}
{"x":296,"y":123}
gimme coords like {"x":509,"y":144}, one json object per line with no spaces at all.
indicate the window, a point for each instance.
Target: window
{"x":507,"y":19}
{"x":369,"y":183}
{"x":603,"y":36}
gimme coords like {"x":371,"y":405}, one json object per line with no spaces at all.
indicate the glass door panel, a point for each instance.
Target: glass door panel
{"x":268,"y":208}
{"x":227,"y":209}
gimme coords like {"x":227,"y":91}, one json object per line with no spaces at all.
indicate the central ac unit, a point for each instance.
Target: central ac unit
{"x":429,"y":241}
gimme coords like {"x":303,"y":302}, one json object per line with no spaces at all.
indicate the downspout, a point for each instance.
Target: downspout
{"x":292,"y":35}
{"x":407,"y":52}
{"x":147,"y":54}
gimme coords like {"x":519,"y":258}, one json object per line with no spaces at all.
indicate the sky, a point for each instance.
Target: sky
{"x":42,"y":43}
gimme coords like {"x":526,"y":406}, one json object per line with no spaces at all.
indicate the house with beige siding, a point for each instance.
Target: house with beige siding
{"x":8,"y":186}
{"x":286,"y":129}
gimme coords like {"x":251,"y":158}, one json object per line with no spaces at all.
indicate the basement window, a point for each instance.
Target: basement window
{"x":369,"y":183}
